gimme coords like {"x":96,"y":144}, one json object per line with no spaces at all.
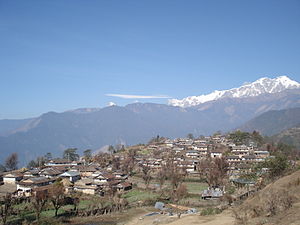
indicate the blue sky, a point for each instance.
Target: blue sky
{"x":60,"y":55}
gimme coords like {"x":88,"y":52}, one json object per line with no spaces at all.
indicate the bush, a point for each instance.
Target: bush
{"x":230,"y":189}
{"x":278,"y":202}
{"x":210,"y":211}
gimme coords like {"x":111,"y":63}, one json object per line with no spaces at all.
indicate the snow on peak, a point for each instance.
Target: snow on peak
{"x":261,"y":86}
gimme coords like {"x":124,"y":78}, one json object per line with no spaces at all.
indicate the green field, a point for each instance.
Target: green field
{"x":136,"y":195}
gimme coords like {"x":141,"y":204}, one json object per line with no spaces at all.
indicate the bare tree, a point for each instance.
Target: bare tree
{"x":6,"y":207}
{"x":103,"y":159}
{"x":162,"y":176}
{"x":38,"y":201}
{"x":116,"y":164}
{"x":129,"y":162}
{"x":146,"y":170}
{"x":11,"y":161}
{"x":56,"y":196}
{"x":213,"y":170}
{"x":175,"y":172}
{"x":221,"y":169}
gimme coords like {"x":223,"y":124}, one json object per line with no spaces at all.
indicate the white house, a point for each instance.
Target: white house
{"x":72,"y":175}
{"x":12,"y":178}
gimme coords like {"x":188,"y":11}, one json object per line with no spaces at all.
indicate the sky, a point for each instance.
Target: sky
{"x":59,"y":55}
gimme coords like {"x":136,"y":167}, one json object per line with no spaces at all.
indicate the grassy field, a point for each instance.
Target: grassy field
{"x":136,"y":195}
{"x":27,"y":213}
{"x":195,"y":188}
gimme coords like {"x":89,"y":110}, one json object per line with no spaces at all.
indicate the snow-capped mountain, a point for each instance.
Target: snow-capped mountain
{"x":261,"y":86}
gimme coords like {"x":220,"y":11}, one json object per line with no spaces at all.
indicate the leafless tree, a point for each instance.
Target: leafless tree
{"x":129,"y":162}
{"x":146,"y":175}
{"x":116,"y":164}
{"x":221,"y":169}
{"x":11,"y":161}
{"x":213,"y":170}
{"x":103,"y":159}
{"x":38,"y":200}
{"x":161,"y":176}
{"x":175,"y":172}
{"x":56,"y":196}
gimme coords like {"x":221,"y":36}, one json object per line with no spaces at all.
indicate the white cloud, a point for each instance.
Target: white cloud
{"x":137,"y":96}
{"x":111,"y":104}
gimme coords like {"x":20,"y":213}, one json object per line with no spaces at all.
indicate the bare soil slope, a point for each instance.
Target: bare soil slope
{"x":277,"y":203}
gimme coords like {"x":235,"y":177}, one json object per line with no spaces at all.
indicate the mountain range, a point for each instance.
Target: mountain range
{"x":137,"y":123}
{"x":263,"y":85}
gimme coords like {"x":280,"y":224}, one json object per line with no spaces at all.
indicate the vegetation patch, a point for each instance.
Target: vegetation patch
{"x":210,"y":211}
{"x":139,"y":195}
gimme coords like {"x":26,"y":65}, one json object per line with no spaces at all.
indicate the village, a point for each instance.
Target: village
{"x":212,"y":167}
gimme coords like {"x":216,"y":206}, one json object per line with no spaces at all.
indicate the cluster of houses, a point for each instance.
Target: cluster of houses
{"x":91,"y":179}
{"x":75,"y":176}
{"x":188,"y":153}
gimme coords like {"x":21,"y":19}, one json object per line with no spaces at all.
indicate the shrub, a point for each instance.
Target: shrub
{"x":210,"y":211}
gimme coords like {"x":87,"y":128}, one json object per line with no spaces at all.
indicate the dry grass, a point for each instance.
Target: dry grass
{"x":272,"y":203}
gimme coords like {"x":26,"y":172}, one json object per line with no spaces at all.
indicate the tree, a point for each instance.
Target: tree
{"x":87,"y":155}
{"x":146,"y":175}
{"x":221,"y":168}
{"x":32,"y":164}
{"x":2,"y":168}
{"x":162,"y":176}
{"x":238,"y":137}
{"x":70,"y":154}
{"x":175,"y":173}
{"x":213,"y":170}
{"x":190,"y":136}
{"x":40,"y":161}
{"x":116,"y":165}
{"x":38,"y":201}
{"x":204,"y":169}
{"x":277,"y":165}
{"x":11,"y":161}
{"x":156,"y":139}
{"x":217,"y":133}
{"x":290,"y":151}
{"x":129,"y":162}
{"x":56,"y":195}
{"x":257,"y":138}
{"x":48,"y":156}
{"x":111,"y":149}
{"x":6,"y":204}
{"x":119,"y":147}
{"x":103,"y":159}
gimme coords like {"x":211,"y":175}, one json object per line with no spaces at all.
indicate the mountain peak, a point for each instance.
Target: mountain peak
{"x":263,"y":85}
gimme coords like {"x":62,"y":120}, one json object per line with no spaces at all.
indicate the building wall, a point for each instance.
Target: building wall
{"x":9,"y":180}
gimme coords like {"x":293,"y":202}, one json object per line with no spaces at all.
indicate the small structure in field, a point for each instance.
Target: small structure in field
{"x":213,"y":192}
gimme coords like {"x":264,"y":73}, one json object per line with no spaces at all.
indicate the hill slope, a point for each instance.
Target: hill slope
{"x":7,"y":127}
{"x":281,"y":197}
{"x":290,"y":136}
{"x":274,"y":121}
